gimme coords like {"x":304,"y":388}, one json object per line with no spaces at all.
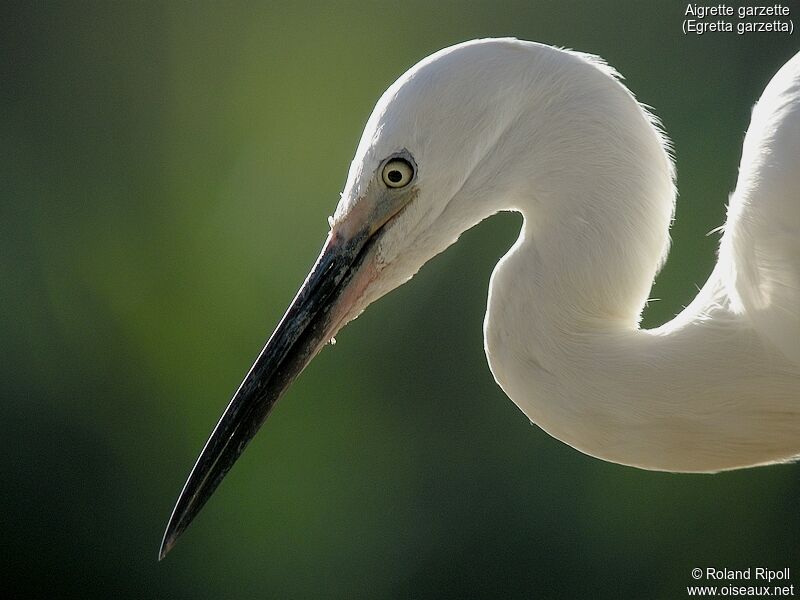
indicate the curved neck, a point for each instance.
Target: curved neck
{"x":561,"y":330}
{"x":700,"y":394}
{"x":588,"y":169}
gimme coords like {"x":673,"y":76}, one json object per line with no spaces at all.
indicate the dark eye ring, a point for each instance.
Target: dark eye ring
{"x":397,"y":173}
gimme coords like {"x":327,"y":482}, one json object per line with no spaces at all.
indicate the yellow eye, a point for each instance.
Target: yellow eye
{"x":397,"y":173}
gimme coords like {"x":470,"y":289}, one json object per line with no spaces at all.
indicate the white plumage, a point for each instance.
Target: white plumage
{"x":501,"y":124}
{"x":510,"y":125}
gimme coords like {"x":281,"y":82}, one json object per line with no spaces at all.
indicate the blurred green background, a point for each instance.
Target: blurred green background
{"x":165,"y":174}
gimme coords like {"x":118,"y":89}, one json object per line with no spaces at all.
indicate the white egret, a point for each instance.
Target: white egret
{"x":500,"y":124}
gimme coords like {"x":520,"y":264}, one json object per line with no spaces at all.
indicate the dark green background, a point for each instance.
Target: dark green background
{"x":165,"y":175}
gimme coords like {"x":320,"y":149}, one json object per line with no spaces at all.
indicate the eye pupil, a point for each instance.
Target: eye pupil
{"x":394,"y":176}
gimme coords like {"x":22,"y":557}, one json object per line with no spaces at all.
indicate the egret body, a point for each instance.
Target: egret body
{"x":506,"y":125}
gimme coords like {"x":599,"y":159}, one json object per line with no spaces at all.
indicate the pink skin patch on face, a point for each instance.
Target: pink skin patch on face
{"x":352,"y":302}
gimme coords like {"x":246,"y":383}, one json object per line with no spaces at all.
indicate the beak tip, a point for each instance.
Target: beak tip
{"x":165,"y":548}
{"x":166,"y":544}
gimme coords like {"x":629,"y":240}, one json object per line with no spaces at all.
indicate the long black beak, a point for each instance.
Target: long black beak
{"x":310,"y":321}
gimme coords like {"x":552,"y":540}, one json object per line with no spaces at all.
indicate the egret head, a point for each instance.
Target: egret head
{"x":417,"y":151}
{"x":447,"y":145}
